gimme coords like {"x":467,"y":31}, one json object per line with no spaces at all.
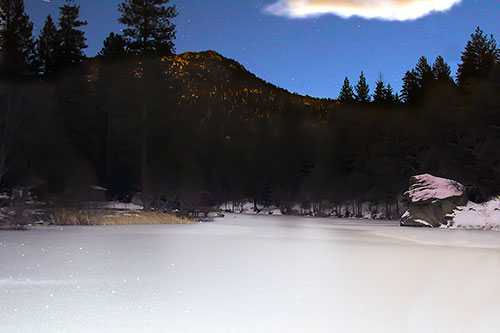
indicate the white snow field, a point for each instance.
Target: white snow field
{"x":249,"y":273}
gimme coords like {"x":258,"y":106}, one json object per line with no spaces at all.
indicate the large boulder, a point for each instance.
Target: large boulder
{"x":432,"y":201}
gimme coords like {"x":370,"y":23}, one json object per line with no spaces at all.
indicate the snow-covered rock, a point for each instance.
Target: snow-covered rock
{"x":432,"y":201}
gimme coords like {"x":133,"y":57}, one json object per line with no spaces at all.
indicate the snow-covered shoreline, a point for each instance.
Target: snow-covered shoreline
{"x":485,"y":216}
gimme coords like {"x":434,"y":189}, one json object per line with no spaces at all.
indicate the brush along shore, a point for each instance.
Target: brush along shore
{"x":104,"y":217}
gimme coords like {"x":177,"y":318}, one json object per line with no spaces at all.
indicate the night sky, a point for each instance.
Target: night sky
{"x":301,"y":50}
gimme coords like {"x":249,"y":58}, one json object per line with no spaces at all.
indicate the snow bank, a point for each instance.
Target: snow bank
{"x":427,"y":187}
{"x":121,"y":206}
{"x":477,"y":216}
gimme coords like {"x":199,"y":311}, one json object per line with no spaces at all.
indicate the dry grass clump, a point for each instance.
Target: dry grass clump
{"x":103,"y":217}
{"x":13,"y":223}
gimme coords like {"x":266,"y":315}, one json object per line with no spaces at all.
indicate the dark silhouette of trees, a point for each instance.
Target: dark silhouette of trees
{"x":479,"y":57}
{"x":210,"y":131}
{"x":410,"y":89}
{"x":424,"y":74}
{"x":346,"y":92}
{"x":114,"y":47}
{"x":16,"y":40}
{"x":150,"y":27}
{"x":419,"y":82}
{"x":383,"y":95}
{"x":150,"y":32}
{"x":379,"y":94}
{"x":441,"y":71}
{"x":11,"y":117}
{"x":72,"y":39}
{"x":362,"y":90}
{"x":48,"y":46}
{"x":16,"y":64}
{"x":389,"y":96}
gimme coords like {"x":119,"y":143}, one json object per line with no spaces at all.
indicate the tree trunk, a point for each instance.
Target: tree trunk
{"x":108,"y":150}
{"x":397,"y":206}
{"x":8,"y":129}
{"x":146,"y":193}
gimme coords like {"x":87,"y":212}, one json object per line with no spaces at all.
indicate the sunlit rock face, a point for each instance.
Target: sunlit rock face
{"x":432,"y":201}
{"x":394,"y":10}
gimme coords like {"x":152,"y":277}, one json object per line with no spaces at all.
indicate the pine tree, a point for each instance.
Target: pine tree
{"x":150,"y":28}
{"x":71,"y":37}
{"x":380,"y":94}
{"x":346,"y":92}
{"x":362,"y":90}
{"x":410,"y":88}
{"x":441,"y":70}
{"x":479,"y":57}
{"x":47,"y":47}
{"x":424,"y":74}
{"x":389,"y":96}
{"x":397,"y":98}
{"x":115,"y":46}
{"x":16,"y":39}
{"x":383,"y":94}
{"x":150,"y":32}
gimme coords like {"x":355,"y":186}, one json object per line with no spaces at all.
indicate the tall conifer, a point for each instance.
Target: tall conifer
{"x":481,"y":54}
{"x":16,"y":39}
{"x":150,"y":27}
{"x":150,"y":33}
{"x":441,"y":70}
{"x":346,"y":92}
{"x":71,"y":37}
{"x":379,"y":95}
{"x":362,"y":89}
{"x":47,"y":47}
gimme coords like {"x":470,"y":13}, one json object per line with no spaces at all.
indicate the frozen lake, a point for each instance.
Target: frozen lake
{"x":249,"y":273}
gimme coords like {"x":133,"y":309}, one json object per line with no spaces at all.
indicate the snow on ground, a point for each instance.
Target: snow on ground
{"x":247,"y":207}
{"x":250,"y":273}
{"x":478,"y":216}
{"x":430,"y":187}
{"x":369,"y":210}
{"x":120,"y":206}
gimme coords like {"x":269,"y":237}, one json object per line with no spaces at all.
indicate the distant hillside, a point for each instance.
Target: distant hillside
{"x":212,"y":78}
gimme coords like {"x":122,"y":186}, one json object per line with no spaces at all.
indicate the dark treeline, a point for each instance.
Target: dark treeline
{"x":138,"y":117}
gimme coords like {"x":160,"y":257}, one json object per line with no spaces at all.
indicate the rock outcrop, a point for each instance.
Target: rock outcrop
{"x":432,"y":200}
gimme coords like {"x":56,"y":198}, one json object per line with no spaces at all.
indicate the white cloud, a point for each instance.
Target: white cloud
{"x":393,"y":10}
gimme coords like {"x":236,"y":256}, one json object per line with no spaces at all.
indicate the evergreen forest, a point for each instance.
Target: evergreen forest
{"x":138,"y":117}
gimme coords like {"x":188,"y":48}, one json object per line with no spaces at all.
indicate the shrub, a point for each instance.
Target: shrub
{"x":103,"y":217}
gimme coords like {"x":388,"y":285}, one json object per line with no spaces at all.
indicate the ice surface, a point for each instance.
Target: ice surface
{"x":250,"y":273}
{"x":430,"y":187}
